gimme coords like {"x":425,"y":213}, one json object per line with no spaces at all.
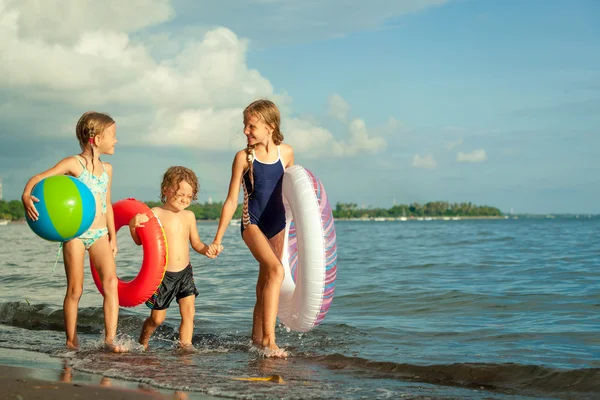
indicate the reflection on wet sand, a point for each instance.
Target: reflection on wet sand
{"x":66,"y":375}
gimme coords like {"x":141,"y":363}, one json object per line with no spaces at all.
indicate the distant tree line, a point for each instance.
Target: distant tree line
{"x":13,"y":210}
{"x":204,"y":211}
{"x":431,"y":209}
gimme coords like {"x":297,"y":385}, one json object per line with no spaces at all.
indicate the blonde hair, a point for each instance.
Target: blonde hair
{"x":173,"y":177}
{"x":91,"y":124}
{"x":268,"y":112}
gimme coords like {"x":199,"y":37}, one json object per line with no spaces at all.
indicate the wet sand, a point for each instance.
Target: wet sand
{"x":18,"y":383}
{"x":28,"y":375}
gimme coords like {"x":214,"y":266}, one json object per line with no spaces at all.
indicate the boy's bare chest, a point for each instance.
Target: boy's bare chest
{"x":176,"y":229}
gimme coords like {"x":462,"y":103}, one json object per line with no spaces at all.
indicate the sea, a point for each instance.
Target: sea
{"x":459,"y":309}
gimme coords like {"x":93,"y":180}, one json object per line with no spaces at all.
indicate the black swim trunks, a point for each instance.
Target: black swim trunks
{"x":174,"y":285}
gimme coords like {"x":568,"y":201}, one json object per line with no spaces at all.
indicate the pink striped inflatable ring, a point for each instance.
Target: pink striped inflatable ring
{"x":309,"y":252}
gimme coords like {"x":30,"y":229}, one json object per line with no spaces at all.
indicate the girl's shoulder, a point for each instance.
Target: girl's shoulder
{"x":72,"y":163}
{"x":241,"y":153}
{"x":286,"y":151}
{"x":286,"y":148}
{"x":240,"y":157}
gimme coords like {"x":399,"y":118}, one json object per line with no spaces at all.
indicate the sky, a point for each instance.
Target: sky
{"x":386,"y":101}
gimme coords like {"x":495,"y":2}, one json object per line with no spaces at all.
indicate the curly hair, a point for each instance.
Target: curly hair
{"x":173,"y":177}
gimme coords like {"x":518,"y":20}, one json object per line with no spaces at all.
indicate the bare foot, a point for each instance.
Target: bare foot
{"x":185,"y":348}
{"x":257,"y":344}
{"x":114,"y":348}
{"x":273,"y":351}
{"x":72,"y":345}
{"x":257,"y":341}
{"x":144,"y":345}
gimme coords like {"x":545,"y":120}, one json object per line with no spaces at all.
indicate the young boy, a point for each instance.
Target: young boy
{"x":179,"y":187}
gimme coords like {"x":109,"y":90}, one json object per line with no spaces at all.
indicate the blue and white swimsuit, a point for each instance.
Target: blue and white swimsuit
{"x":263,"y":201}
{"x":98,"y":185}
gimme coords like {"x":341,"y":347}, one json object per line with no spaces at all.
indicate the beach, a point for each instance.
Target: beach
{"x":21,"y":383}
{"x":52,"y":378}
{"x":468,"y":309}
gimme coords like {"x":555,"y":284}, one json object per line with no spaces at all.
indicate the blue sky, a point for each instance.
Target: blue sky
{"x":493,"y":102}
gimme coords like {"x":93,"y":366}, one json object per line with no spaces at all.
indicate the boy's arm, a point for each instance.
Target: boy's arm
{"x":195,"y":241}
{"x":137,"y":222}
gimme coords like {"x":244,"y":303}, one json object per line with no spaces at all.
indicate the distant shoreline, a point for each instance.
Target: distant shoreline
{"x":482,"y":217}
{"x":408,"y":219}
{"x":457,"y":218}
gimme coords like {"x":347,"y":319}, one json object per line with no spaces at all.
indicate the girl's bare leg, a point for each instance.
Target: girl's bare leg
{"x":73,"y":255}
{"x":104,"y":262}
{"x":270,"y":264}
{"x":257,"y":318}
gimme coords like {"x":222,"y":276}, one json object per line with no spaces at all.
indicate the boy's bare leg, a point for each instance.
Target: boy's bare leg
{"x":186,"y":328}
{"x":156,"y":318}
{"x":73,"y":255}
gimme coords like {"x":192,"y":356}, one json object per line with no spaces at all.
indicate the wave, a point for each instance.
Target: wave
{"x":507,"y":378}
{"x":320,"y":348}
{"x":39,"y":317}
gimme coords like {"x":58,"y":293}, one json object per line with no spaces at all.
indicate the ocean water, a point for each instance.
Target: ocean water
{"x":469,"y":309}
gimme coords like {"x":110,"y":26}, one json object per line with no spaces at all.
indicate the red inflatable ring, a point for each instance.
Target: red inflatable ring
{"x":154,"y":264}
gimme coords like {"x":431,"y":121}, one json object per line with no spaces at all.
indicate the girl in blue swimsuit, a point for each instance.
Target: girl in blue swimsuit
{"x":259,"y":170}
{"x":96,"y":134}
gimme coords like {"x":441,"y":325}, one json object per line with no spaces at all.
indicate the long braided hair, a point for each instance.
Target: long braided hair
{"x":90,"y":124}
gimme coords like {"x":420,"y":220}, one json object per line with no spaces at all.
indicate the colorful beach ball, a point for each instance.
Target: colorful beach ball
{"x":66,"y":208}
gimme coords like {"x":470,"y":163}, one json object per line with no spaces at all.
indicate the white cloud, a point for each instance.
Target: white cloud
{"x":425,"y":162}
{"x":94,"y":55}
{"x":453,"y":144}
{"x":338,"y":108}
{"x":316,"y":141}
{"x":65,"y":21}
{"x":268,"y":21}
{"x":361,"y":141}
{"x":475,"y":156}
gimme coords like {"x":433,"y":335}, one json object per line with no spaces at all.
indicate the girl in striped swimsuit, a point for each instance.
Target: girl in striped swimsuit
{"x":97,"y":135}
{"x":259,"y":170}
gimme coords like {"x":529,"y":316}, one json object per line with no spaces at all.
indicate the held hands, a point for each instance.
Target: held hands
{"x":138,"y":221}
{"x":214,"y":250}
{"x":30,"y":209}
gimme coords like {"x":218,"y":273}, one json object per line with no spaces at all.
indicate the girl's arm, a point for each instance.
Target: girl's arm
{"x":65,"y":166}
{"x":289,"y":155}
{"x":231,"y":202}
{"x":197,"y":244}
{"x":110,"y":216}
